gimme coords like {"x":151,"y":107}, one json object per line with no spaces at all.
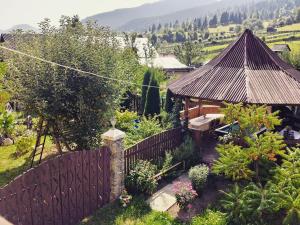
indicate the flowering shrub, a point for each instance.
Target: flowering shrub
{"x":184,"y":193}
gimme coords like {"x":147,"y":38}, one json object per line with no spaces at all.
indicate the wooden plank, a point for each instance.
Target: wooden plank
{"x":46,"y":194}
{"x":93,"y":180}
{"x":64,"y":190}
{"x":72,"y":189}
{"x":86,"y":182}
{"x":56,"y":194}
{"x":100,"y":174}
{"x":79,"y":186}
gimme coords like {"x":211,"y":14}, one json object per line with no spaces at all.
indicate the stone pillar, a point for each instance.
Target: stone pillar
{"x":114,"y":140}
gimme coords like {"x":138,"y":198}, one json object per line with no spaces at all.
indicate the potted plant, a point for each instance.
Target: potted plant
{"x":125,"y":198}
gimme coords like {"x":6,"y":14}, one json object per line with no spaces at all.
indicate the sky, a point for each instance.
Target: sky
{"x":31,"y":12}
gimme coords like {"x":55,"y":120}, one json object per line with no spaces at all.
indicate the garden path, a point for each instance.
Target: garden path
{"x":164,"y":198}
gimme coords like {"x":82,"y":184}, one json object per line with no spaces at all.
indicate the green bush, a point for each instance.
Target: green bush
{"x":6,"y":123}
{"x":125,"y":120}
{"x":24,"y":144}
{"x":186,"y":152}
{"x":146,"y":128}
{"x":210,"y":217}
{"x":198,"y":176}
{"x":19,"y":130}
{"x":140,"y":178}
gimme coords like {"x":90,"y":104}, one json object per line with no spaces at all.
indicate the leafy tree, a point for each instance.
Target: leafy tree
{"x":77,"y":104}
{"x":152,"y":105}
{"x":187,"y":52}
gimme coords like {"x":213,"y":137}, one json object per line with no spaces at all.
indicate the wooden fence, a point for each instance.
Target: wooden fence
{"x":153,"y":147}
{"x":60,"y":191}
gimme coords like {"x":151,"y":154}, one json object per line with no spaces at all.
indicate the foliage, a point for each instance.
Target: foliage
{"x":186,"y":152}
{"x":80,"y":105}
{"x":146,"y":128}
{"x":168,"y":161}
{"x":198,"y":175}
{"x":253,"y":204}
{"x":146,"y":82}
{"x":152,"y":105}
{"x":210,"y":217}
{"x":166,"y":120}
{"x":4,"y":95}
{"x":6,"y":124}
{"x":184,"y":193}
{"x":251,"y":118}
{"x":187,"y":52}
{"x":233,"y":162}
{"x":140,"y":178}
{"x":236,"y":161}
{"x":175,"y":114}
{"x":253,"y":24}
{"x":125,"y":120}
{"x":19,"y":130}
{"x":24,"y":144}
{"x":287,"y":179}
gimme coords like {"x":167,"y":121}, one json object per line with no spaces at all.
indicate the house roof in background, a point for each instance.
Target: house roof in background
{"x":246,"y":71}
{"x":281,"y":48}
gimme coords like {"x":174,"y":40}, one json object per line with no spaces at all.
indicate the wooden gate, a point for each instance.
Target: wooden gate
{"x":60,"y":191}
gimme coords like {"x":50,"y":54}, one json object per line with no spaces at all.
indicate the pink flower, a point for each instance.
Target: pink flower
{"x":190,"y":206}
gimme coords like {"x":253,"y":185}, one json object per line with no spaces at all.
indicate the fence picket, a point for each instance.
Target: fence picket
{"x":153,"y":147}
{"x":60,"y":191}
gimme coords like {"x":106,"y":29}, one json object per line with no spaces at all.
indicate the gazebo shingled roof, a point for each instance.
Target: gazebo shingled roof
{"x":247,"y":71}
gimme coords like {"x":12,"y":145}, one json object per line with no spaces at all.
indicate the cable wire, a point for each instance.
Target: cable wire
{"x":72,"y":68}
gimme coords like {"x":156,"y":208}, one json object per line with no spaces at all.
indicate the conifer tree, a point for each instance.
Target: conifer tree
{"x":146,"y":81}
{"x":152,"y":105}
{"x":169,"y":102}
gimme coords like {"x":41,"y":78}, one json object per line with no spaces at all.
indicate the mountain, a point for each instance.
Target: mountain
{"x":141,"y":24}
{"x":122,"y":17}
{"x":24,"y":27}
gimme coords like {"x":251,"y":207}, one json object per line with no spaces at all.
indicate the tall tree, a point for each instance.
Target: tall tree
{"x":77,"y":104}
{"x":169,"y":101}
{"x":152,"y":106}
{"x":146,"y":82}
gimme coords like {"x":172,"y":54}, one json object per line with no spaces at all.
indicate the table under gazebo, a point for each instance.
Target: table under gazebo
{"x":247,"y":71}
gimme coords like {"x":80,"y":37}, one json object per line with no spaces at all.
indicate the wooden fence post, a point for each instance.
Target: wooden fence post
{"x":114,"y":140}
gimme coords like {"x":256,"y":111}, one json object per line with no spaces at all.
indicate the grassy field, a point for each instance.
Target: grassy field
{"x":292,"y":27}
{"x":11,"y":167}
{"x":221,"y":29}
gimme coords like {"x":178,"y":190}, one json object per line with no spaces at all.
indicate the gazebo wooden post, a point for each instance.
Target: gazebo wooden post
{"x":200,"y":106}
{"x":186,"y":109}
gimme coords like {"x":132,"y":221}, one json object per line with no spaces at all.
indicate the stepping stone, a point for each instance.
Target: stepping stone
{"x":165,"y":198}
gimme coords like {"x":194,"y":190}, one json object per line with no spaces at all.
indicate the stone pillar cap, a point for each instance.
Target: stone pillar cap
{"x":113,"y":135}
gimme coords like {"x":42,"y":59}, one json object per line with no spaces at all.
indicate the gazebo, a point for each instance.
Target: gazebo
{"x":247,"y":71}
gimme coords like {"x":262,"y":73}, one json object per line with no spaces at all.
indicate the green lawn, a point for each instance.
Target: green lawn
{"x":292,"y":27}
{"x":138,"y":213}
{"x":11,"y":167}
{"x":221,"y":29}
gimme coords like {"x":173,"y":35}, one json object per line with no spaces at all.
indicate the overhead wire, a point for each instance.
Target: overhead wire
{"x":72,"y":68}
